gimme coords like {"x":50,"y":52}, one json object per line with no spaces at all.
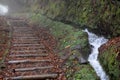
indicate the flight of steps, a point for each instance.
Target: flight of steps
{"x":28,"y":58}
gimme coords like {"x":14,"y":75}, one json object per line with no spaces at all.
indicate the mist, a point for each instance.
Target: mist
{"x":3,"y":9}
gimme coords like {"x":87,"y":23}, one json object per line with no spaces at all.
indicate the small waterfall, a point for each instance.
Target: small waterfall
{"x":96,"y":42}
{"x":3,"y":9}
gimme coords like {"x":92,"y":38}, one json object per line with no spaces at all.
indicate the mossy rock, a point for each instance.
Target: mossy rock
{"x":108,"y":59}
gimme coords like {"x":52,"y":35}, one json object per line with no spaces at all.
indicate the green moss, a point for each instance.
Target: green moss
{"x":66,"y":34}
{"x":81,"y":75}
{"x":103,"y":14}
{"x":76,"y":71}
{"x":109,"y":62}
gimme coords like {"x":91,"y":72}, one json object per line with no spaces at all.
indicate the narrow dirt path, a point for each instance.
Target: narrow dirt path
{"x":29,"y":57}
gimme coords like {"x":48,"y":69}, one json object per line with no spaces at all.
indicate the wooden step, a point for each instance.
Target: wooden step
{"x":32,"y":69}
{"x":29,"y":48}
{"x":25,"y":37}
{"x":29,"y":55}
{"x":28,"y":39}
{"x":32,"y":39}
{"x":27,"y":42}
{"x":23,"y":30}
{"x":23,"y":34}
{"x":27,"y":61}
{"x":26,"y":45}
{"x":34,"y":77}
{"x":26,"y":51}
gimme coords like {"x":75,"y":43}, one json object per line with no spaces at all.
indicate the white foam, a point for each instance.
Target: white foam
{"x":96,"y":42}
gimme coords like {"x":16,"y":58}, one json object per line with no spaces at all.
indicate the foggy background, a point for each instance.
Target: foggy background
{"x":17,"y":5}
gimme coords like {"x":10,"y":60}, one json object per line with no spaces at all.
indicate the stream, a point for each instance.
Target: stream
{"x":96,"y":42}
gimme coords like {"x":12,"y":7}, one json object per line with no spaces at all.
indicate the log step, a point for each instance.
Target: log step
{"x":34,"y":77}
{"x":23,"y":34}
{"x":29,"y":55}
{"x":26,"y":51}
{"x":32,"y":69}
{"x":26,"y":44}
{"x":32,"y":39}
{"x":26,"y":61}
{"x":26,"y":41}
{"x":27,"y":32}
{"x":22,"y":37}
{"x":28,"y":48}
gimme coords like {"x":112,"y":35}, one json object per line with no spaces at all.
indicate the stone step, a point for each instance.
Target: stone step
{"x":32,"y":69}
{"x":27,"y":61}
{"x":34,"y":77}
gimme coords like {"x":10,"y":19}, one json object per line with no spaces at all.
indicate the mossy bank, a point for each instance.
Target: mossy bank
{"x":72,"y":46}
{"x":110,"y":58}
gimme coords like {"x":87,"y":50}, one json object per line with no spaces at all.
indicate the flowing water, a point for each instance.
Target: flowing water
{"x":96,"y":42}
{"x":3,"y":9}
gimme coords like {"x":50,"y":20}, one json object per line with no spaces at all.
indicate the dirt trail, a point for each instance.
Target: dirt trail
{"x":30,"y":55}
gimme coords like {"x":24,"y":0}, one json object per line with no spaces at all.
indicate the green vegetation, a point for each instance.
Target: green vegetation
{"x":77,"y":71}
{"x":65,"y":34}
{"x":101,"y":15}
{"x":68,"y":37}
{"x":110,"y":63}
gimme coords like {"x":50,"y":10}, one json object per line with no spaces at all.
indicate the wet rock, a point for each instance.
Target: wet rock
{"x":81,"y":60}
{"x":77,"y":47}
